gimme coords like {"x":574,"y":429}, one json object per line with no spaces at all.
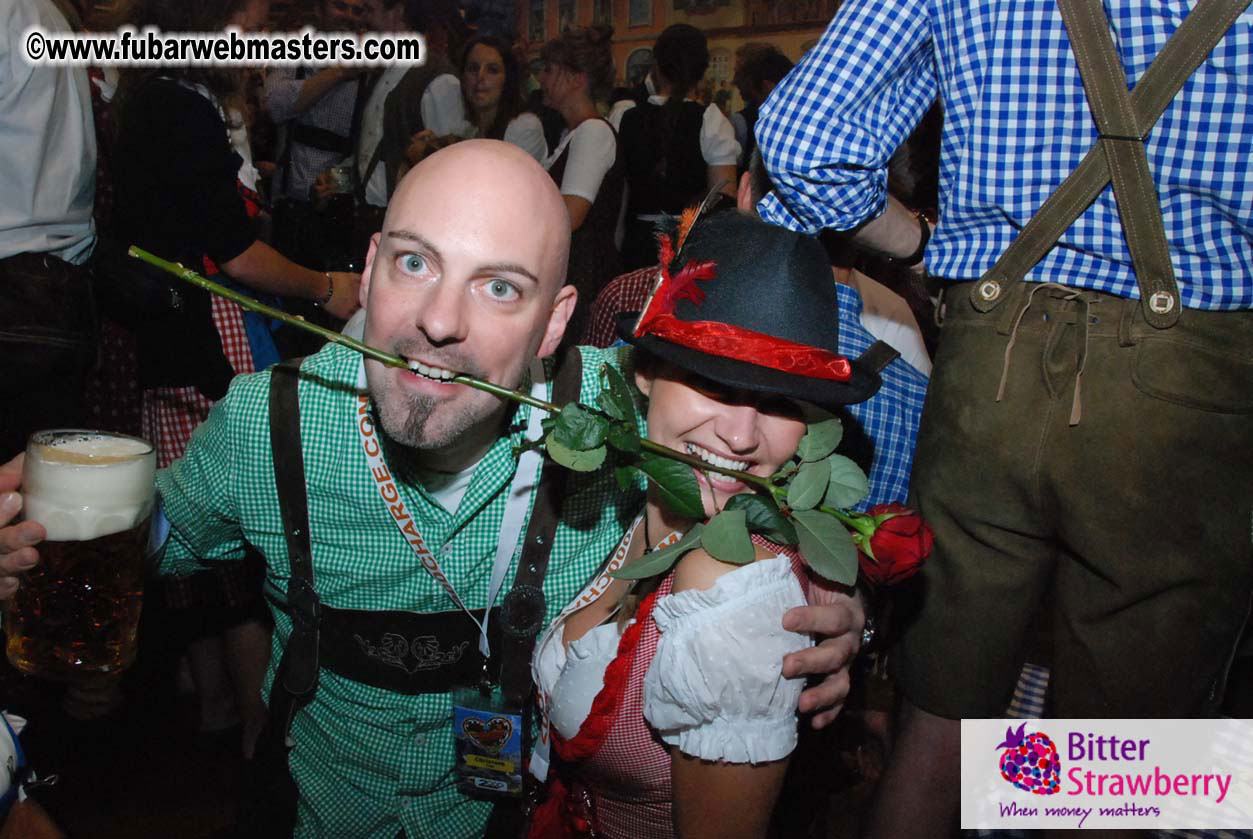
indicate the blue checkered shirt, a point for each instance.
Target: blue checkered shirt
{"x":890,"y":417}
{"x":1016,"y":124}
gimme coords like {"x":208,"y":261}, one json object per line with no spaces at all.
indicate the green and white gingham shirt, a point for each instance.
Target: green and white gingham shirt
{"x":369,"y":761}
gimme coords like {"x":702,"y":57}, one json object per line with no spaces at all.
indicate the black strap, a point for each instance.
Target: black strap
{"x":320,"y":138}
{"x":879,"y":355}
{"x":407,"y":652}
{"x":1123,"y":120}
{"x":523,"y":608}
{"x":365,"y":84}
{"x":297,"y":674}
{"x":521,"y":615}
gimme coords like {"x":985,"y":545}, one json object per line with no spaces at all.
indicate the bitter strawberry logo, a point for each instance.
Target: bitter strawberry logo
{"x":1030,"y":763}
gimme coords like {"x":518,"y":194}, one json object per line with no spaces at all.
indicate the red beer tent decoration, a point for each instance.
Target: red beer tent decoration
{"x":724,"y":339}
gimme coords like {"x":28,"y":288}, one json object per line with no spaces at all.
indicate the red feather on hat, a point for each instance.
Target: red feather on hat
{"x":672,"y":289}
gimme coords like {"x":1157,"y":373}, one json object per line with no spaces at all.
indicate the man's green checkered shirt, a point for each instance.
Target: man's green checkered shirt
{"x":369,"y":761}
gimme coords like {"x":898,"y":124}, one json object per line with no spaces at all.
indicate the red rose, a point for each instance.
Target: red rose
{"x":901,"y":541}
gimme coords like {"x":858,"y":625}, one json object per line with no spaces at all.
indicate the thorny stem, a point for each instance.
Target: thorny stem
{"x":187,"y":275}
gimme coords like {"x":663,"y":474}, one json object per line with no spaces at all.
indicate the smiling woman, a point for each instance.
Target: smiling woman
{"x":669,"y":693}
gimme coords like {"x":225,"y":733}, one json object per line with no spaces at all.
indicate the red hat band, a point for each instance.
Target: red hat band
{"x":727,"y":341}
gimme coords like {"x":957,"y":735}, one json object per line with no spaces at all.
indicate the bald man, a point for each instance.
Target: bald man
{"x":403,"y":527}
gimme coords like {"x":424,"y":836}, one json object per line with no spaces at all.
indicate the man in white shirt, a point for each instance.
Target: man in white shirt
{"x":48,"y":180}
{"x":435,"y":87}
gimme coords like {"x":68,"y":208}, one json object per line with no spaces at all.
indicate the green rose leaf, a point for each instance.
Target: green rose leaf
{"x":848,"y":483}
{"x":609,"y":406}
{"x":588,"y":460}
{"x":763,"y":517}
{"x":827,"y":546}
{"x":660,"y":561}
{"x":625,"y":476}
{"x":726,"y":538}
{"x":618,"y":401}
{"x":623,"y":437}
{"x":820,"y":440}
{"x":580,"y":429}
{"x":809,"y":485}
{"x":677,"y":485}
{"x":785,"y":472}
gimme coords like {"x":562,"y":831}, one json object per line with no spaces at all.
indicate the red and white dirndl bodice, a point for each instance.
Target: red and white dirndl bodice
{"x":612,"y":780}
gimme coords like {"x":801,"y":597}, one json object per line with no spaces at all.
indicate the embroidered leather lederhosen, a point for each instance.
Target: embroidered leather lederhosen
{"x":406,"y":652}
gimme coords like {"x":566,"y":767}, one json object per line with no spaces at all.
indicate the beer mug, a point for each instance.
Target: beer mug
{"x":343,"y":178}
{"x":76,"y":613}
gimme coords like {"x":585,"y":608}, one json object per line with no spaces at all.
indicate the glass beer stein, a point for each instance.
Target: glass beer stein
{"x":76,"y":613}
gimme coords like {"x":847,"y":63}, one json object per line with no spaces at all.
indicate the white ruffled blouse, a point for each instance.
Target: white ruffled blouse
{"x":715,"y":687}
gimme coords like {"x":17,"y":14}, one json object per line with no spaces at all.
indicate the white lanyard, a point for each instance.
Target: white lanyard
{"x":515,"y":505}
{"x":594,"y":590}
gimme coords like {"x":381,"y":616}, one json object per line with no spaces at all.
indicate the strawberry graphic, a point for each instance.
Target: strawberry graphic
{"x":1030,"y":763}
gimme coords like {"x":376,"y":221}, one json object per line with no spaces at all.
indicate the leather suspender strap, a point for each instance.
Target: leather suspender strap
{"x":297,"y":674}
{"x":365,"y":84}
{"x":1123,"y":121}
{"x":523,"y":609}
{"x":1122,"y":140}
{"x":879,"y":355}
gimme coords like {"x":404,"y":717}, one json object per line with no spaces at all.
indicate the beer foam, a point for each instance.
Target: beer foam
{"x":86,"y":485}
{"x":87,"y":448}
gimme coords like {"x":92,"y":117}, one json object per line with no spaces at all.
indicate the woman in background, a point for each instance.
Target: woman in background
{"x":491,"y":83}
{"x":578,"y":74}
{"x":673,"y":148}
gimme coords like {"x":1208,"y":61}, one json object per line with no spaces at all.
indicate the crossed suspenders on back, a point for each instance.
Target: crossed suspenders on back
{"x":1124,"y":120}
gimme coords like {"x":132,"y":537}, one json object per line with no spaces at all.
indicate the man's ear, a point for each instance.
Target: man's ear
{"x":368,"y":271}
{"x":563,"y":308}
{"x":744,"y":194}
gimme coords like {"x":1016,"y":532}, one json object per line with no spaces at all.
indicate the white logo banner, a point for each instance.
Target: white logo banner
{"x":1162,"y":774}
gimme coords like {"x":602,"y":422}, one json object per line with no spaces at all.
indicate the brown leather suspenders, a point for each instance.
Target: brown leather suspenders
{"x":323,"y":636}
{"x":1124,"y":119}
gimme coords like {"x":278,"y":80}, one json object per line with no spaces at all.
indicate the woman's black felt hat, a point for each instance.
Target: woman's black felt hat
{"x":767,"y":321}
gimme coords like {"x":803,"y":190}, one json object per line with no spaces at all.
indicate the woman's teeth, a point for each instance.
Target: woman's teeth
{"x":716,"y":460}
{"x":426,"y":371}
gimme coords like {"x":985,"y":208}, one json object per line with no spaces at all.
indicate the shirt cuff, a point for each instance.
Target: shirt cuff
{"x":772,"y":211}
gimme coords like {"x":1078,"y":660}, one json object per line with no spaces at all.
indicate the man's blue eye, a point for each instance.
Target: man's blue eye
{"x":501,"y":290}
{"x":413,"y":263}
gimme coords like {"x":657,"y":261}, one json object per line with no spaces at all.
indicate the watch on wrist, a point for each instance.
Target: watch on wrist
{"x":924,"y":236}
{"x":330,"y":289}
